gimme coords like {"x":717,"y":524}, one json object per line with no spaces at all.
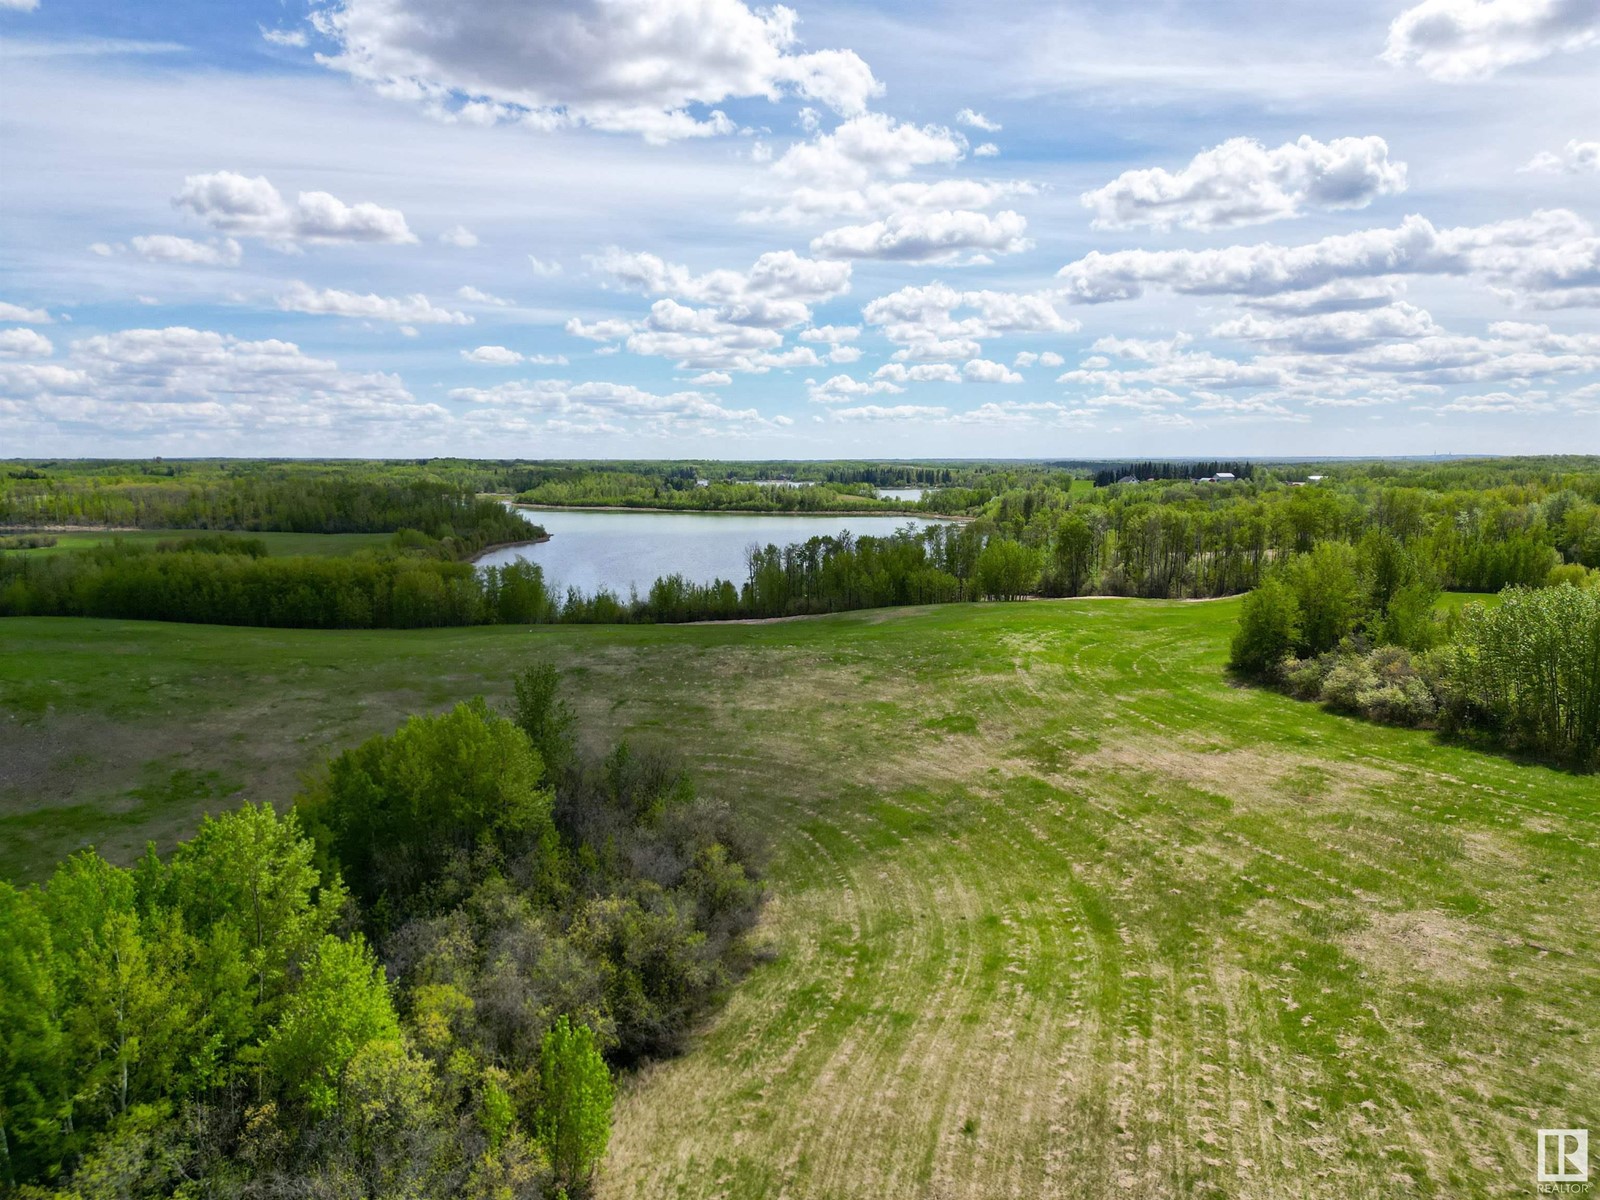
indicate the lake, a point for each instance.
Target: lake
{"x":619,"y":550}
{"x":905,"y":493}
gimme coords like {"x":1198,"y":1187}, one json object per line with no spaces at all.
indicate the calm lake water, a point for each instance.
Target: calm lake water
{"x":619,"y":550}
{"x":906,"y":493}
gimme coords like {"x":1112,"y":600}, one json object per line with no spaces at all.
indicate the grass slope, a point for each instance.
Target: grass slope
{"x":1055,"y":911}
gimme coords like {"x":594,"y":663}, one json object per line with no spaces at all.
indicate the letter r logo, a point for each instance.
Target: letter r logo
{"x":1563,"y":1155}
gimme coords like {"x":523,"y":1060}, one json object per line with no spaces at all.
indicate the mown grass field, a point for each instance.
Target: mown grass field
{"x":278,"y":544}
{"x":1055,"y":910}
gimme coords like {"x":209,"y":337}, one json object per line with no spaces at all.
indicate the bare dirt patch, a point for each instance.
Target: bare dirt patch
{"x":1431,"y":945}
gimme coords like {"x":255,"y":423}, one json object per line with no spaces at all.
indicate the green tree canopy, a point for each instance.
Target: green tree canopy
{"x":413,"y":817}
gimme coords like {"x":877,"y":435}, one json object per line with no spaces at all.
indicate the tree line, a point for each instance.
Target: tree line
{"x":618,"y":490}
{"x":232,"y":582}
{"x":419,"y":981}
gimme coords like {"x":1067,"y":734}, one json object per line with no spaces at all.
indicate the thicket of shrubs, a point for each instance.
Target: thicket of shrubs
{"x":416,"y":984}
{"x":1355,"y":628}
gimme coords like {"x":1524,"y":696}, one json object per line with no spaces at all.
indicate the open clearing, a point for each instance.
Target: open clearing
{"x":1055,"y":911}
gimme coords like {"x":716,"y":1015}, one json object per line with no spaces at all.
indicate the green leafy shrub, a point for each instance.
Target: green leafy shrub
{"x":1268,"y":632}
{"x":575,"y":1103}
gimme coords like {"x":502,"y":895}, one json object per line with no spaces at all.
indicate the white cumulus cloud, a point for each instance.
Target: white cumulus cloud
{"x":1578,"y":158}
{"x":923,"y":321}
{"x":892,"y":412}
{"x":867,"y":147}
{"x":252,"y":207}
{"x":492,"y":356}
{"x":844,"y":389}
{"x":187,"y":383}
{"x":415,"y":309}
{"x":17,"y":312}
{"x":474,"y":295}
{"x":1242,"y":182}
{"x":983,"y":370}
{"x":976,"y":120}
{"x":936,"y":372}
{"x":627,"y":65}
{"x":25,"y":343}
{"x":734,"y":319}
{"x":164,"y":247}
{"x":598,"y":406}
{"x":834,"y":334}
{"x":927,"y":237}
{"x":1550,"y":259}
{"x":1473,"y":39}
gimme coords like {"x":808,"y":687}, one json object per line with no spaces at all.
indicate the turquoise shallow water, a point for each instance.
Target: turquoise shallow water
{"x":619,"y":550}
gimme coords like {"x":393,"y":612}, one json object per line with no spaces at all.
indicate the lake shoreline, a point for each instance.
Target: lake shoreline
{"x":16,"y":529}
{"x":538,"y":541}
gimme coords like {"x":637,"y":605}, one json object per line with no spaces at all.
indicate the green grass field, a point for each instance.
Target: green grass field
{"x":278,"y":544}
{"x":1055,"y":910}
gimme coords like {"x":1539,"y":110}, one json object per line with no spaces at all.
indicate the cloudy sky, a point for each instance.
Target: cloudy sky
{"x":541,"y":228}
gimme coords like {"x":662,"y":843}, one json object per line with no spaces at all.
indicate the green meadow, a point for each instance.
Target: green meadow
{"x":277,"y":544}
{"x":1055,"y":910}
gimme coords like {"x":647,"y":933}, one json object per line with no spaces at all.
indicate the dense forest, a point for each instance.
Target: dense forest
{"x":419,"y":981}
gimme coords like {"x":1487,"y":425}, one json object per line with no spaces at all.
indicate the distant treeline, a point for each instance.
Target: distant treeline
{"x":417,"y":983}
{"x":1106,"y":476}
{"x":677,"y":476}
{"x":686,"y":493}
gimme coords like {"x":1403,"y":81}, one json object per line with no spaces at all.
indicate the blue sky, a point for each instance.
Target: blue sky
{"x":692,"y":228}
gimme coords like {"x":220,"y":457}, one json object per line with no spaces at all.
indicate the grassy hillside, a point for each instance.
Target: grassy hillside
{"x":1055,"y":910}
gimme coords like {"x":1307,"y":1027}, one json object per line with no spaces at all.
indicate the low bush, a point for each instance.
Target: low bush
{"x":27,"y":541}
